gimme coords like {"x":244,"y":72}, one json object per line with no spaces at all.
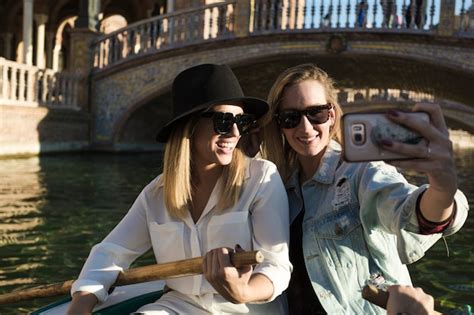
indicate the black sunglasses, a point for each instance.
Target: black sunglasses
{"x":224,"y":122}
{"x":291,"y":118}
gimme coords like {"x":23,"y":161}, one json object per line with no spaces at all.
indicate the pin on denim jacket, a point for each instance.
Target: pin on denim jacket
{"x":359,"y":220}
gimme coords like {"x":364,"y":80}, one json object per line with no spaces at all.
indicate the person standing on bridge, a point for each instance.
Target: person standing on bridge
{"x":209,"y":199}
{"x":351,"y":222}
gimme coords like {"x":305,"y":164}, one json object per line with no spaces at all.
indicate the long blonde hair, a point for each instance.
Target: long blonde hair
{"x":274,"y":146}
{"x":177,"y":172}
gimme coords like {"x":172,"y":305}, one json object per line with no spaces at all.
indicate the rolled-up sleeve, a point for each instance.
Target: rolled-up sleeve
{"x":270,"y":220}
{"x":388,"y":201}
{"x":127,"y":241}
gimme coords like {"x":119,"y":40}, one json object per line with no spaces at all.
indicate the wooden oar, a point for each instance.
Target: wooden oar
{"x":181,"y":268}
{"x":378,"y":297}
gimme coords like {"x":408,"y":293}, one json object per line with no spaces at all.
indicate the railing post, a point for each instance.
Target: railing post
{"x":244,"y":16}
{"x":470,"y":14}
{"x":446,"y":19}
{"x":3,"y":79}
{"x":13,"y":83}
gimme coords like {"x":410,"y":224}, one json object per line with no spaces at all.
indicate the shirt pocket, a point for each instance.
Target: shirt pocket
{"x":168,"y":241}
{"x":227,"y":230}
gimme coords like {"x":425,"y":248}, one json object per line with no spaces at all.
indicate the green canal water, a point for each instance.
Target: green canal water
{"x":53,"y":209}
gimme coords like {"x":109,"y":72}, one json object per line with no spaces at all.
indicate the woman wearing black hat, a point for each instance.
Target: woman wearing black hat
{"x":209,"y":198}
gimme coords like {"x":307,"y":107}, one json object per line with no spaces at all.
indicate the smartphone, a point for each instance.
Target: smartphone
{"x":361,"y":133}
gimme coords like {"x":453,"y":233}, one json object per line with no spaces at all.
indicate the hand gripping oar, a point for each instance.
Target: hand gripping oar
{"x":378,"y":297}
{"x":181,"y":268}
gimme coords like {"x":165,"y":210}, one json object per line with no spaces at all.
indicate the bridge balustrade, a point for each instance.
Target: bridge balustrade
{"x":25,"y":85}
{"x":357,"y":15}
{"x":367,"y":95}
{"x":210,"y":22}
{"x":218,"y":21}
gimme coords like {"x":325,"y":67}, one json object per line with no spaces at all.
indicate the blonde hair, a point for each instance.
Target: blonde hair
{"x":177,"y":177}
{"x":274,"y":146}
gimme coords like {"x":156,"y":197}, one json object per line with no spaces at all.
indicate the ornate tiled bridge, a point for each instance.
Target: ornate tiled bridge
{"x":134,"y":66}
{"x":381,"y":54}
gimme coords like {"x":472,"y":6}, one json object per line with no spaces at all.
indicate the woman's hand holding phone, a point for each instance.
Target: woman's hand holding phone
{"x":436,"y":158}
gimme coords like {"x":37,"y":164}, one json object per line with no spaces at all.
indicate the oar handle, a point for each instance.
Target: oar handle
{"x":378,"y":297}
{"x":375,"y":296}
{"x":241,"y":259}
{"x":181,"y":268}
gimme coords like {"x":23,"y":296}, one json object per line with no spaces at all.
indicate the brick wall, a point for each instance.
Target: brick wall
{"x":33,"y":130}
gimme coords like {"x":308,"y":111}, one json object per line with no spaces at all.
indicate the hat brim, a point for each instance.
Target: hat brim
{"x":251,"y":105}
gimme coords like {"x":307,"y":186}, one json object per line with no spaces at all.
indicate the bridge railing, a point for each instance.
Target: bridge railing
{"x":210,"y":22}
{"x":218,"y":21}
{"x":395,"y":15}
{"x":25,"y":85}
{"x":366,"y":95}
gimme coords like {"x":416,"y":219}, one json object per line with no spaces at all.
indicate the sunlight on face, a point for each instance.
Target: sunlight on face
{"x":211,"y":149}
{"x":307,"y":139}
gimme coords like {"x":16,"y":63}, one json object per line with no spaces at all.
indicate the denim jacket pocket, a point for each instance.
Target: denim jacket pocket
{"x":337,"y":224}
{"x":168,"y":241}
{"x":340,"y":237}
{"x":229,"y":229}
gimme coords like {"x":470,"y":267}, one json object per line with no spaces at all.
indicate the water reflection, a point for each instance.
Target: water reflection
{"x":21,"y":198}
{"x":446,"y":271}
{"x":53,"y":209}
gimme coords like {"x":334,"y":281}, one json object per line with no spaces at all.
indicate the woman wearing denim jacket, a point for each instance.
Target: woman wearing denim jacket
{"x":354,"y":221}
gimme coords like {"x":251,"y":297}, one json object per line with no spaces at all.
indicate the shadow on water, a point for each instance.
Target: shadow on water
{"x":53,"y":209}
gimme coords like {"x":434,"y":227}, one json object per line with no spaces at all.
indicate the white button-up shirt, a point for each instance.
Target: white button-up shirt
{"x":259,"y":221}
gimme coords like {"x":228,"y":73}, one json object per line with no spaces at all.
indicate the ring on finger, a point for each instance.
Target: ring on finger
{"x":428,"y":152}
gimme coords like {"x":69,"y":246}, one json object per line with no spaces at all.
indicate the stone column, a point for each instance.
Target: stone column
{"x":88,"y":17}
{"x":470,"y":14}
{"x":81,"y":55}
{"x":49,"y":49}
{"x":169,"y":6}
{"x":244,"y":14}
{"x":446,"y":18}
{"x":40,"y":20}
{"x":7,"y":42}
{"x":81,"y":63}
{"x":28,"y":32}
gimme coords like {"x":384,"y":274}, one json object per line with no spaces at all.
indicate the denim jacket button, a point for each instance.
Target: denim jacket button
{"x":338,"y":230}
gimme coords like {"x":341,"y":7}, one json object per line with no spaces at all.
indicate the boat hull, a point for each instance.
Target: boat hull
{"x":123,"y":300}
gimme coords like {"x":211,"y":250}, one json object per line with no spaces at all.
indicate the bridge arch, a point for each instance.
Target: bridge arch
{"x":367,"y":60}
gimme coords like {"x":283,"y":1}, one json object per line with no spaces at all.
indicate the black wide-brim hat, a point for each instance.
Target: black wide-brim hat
{"x":198,"y":88}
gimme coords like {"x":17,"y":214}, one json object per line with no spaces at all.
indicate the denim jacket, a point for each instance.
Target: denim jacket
{"x":359,"y":220}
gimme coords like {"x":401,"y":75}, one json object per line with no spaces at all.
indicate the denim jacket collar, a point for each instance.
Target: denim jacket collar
{"x":326,"y":170}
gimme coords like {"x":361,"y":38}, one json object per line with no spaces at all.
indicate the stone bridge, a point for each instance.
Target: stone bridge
{"x":389,"y":57}
{"x":134,"y":67}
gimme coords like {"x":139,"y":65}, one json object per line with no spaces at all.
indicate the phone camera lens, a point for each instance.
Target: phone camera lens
{"x":358,"y":137}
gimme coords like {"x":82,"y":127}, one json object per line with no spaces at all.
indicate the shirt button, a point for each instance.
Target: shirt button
{"x":349,"y":265}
